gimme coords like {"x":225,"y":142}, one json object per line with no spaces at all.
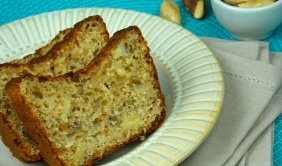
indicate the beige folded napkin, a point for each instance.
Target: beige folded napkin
{"x":243,"y":134}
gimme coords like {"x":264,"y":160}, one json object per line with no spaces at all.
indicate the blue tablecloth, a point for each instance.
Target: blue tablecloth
{"x":11,"y":10}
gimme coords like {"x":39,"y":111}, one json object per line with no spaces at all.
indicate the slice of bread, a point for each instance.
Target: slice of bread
{"x":11,"y":133}
{"x":44,"y":49}
{"x":80,"y":117}
{"x":74,"y":52}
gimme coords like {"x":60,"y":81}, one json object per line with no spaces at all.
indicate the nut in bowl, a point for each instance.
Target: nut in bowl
{"x":248,"y":22}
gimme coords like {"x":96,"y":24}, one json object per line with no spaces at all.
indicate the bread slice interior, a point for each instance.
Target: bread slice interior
{"x":78,"y":118}
{"x":80,"y":45}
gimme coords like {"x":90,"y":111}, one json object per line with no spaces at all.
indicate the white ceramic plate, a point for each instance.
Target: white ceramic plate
{"x":190,"y":77}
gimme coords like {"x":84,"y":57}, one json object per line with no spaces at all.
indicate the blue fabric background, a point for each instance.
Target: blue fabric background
{"x":11,"y":10}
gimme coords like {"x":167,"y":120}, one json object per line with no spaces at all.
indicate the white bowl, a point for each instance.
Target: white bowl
{"x":249,"y":23}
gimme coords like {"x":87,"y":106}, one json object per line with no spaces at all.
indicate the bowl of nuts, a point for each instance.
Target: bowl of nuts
{"x":249,"y":19}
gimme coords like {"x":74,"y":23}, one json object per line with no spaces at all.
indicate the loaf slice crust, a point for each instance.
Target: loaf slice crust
{"x":25,"y":151}
{"x":80,"y":117}
{"x":74,"y":52}
{"x":44,"y":49}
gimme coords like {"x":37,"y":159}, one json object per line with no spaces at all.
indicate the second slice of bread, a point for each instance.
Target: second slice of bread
{"x":74,"y":52}
{"x":78,"y":118}
{"x":12,"y":134}
{"x":44,"y":49}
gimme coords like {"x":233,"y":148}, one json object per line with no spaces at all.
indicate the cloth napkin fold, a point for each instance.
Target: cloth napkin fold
{"x":243,"y":134}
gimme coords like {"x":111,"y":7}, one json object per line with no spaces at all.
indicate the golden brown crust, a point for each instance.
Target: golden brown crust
{"x":9,"y":135}
{"x":29,"y":119}
{"x":21,"y":150}
{"x":42,"y":50}
{"x":37,"y":131}
{"x":17,"y":146}
{"x":105,"y":52}
{"x":70,"y":37}
{"x":155,"y":124}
